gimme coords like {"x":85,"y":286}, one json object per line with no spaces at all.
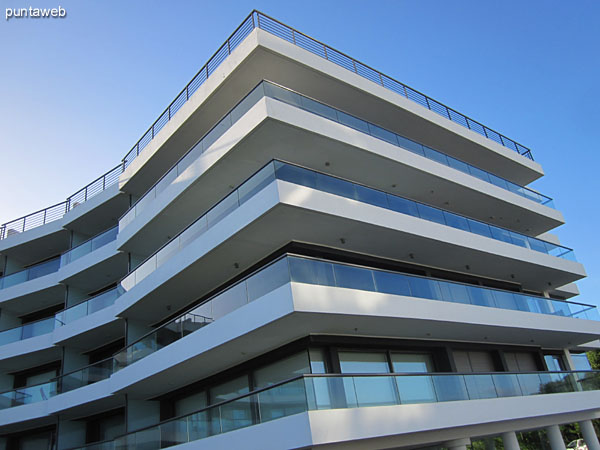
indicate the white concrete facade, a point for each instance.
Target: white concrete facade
{"x":97,"y":350}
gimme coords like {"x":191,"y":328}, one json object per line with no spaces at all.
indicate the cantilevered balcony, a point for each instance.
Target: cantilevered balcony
{"x":255,"y":20}
{"x":338,"y":392}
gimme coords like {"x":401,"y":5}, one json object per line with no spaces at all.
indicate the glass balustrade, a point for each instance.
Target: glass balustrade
{"x":27,"y":331}
{"x":267,"y":89}
{"x":326,"y":183}
{"x":91,"y":374}
{"x":318,"y":272}
{"x":325,"y":392}
{"x":29,"y":394}
{"x":89,"y":246}
{"x":96,"y":303}
{"x":51,"y":266}
{"x":31,"y":273}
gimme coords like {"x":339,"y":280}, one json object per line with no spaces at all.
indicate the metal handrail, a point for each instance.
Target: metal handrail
{"x":55,"y":212}
{"x":328,"y":375}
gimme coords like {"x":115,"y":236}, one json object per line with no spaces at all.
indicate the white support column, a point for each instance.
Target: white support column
{"x":555,"y":437}
{"x":457,"y":444}
{"x":489,"y":443}
{"x":568,"y":360}
{"x":510,"y":441}
{"x":589,"y":435}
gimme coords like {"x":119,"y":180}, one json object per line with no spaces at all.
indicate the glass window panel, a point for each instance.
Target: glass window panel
{"x":410,"y":145}
{"x":191,"y":403}
{"x":268,"y":279}
{"x":581,"y":361}
{"x":363,"y":362}
{"x":296,"y":175}
{"x":281,"y":370}
{"x":318,"y":360}
{"x":403,"y":205}
{"x":311,"y":272}
{"x":335,"y":186}
{"x":431,"y":214}
{"x":353,"y":277}
{"x":412,"y":362}
{"x":371,"y":196}
{"x":424,"y":288}
{"x":229,"y":390}
{"x":391,"y":283}
{"x":353,"y":122}
{"x":455,"y":221}
{"x":554,"y":363}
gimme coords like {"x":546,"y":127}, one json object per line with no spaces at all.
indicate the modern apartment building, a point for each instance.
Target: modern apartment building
{"x":300,"y":253}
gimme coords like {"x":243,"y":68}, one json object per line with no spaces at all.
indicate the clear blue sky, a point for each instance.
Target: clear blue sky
{"x":77,"y":93}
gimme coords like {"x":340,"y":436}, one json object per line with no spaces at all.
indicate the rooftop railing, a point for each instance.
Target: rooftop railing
{"x":256,"y":19}
{"x":305,"y":270}
{"x":286,"y":95}
{"x":312,"y":392}
{"x":57,"y":211}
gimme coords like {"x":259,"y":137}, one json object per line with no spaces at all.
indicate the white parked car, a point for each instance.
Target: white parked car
{"x":579,"y":444}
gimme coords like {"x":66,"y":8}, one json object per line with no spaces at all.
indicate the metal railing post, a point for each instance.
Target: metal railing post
{"x":45,"y":212}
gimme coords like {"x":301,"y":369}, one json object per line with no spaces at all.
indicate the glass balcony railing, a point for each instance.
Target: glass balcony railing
{"x":73,"y":380}
{"x":53,"y":265}
{"x":89,"y":246}
{"x":93,"y":304}
{"x":91,"y":374}
{"x":31,"y":273}
{"x":27,"y":331}
{"x":48,"y":325}
{"x":271,"y":90}
{"x":327,"y":183}
{"x":27,"y":395}
{"x":325,"y":392}
{"x":324,"y":273}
